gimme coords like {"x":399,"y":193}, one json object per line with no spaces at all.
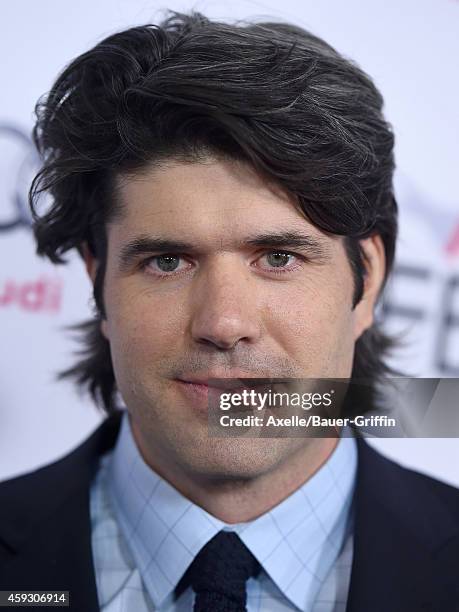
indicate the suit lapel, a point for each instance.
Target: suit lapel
{"x":58,"y":556}
{"x":45,"y":527}
{"x":405,"y":541}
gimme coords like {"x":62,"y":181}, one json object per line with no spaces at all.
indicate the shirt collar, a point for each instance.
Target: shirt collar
{"x":296,"y":542}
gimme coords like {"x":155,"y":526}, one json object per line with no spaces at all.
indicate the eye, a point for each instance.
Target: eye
{"x":165,"y":265}
{"x":279,"y":261}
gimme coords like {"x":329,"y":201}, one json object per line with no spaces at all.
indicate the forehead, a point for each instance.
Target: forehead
{"x":213,"y":200}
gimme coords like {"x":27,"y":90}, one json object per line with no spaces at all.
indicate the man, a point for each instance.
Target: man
{"x":230,"y":190}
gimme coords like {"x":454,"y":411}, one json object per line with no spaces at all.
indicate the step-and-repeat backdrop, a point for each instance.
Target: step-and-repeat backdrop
{"x":410,"y":48}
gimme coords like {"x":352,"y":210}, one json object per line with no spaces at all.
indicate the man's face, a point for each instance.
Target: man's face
{"x":211,"y":273}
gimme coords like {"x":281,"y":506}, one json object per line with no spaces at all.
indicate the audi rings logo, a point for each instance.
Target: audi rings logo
{"x":19,"y":164}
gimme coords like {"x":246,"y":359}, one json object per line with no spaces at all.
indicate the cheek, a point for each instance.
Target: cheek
{"x":315,"y":326}
{"x":142,"y":326}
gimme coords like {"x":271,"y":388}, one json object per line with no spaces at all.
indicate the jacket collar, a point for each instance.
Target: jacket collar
{"x":45,"y":524}
{"x":404,"y":540}
{"x":51,"y":486}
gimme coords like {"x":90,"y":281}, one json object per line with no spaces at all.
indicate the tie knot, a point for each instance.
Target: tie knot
{"x":220,"y":571}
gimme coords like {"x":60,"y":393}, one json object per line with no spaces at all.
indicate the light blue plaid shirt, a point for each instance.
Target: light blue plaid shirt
{"x":145,"y":534}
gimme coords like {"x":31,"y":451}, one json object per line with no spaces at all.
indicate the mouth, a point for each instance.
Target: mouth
{"x":196,"y":395}
{"x":202,"y":392}
{"x":195,"y":385}
{"x":234,"y":385}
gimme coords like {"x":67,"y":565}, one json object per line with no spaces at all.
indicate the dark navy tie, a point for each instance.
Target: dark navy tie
{"x":219,"y":573}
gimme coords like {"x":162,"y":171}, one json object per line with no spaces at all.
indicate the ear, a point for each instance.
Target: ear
{"x":375,"y":266}
{"x":91,"y":264}
{"x":90,"y":261}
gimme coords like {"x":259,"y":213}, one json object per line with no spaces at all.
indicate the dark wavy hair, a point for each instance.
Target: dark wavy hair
{"x":270,"y":94}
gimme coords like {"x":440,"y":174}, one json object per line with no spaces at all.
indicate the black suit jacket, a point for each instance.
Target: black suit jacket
{"x":406,"y":536}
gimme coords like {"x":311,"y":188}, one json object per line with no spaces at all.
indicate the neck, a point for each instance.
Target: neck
{"x":237,"y":500}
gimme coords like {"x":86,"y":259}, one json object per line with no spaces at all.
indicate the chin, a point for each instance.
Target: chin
{"x":232,"y":459}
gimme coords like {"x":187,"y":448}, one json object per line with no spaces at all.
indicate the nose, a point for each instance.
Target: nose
{"x":225,"y":307}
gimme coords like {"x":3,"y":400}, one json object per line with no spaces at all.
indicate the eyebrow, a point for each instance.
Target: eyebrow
{"x":147,"y":245}
{"x":289,"y":239}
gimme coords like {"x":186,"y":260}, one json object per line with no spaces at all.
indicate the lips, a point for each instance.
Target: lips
{"x":195,"y":386}
{"x":225,"y":383}
{"x":205,"y":393}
